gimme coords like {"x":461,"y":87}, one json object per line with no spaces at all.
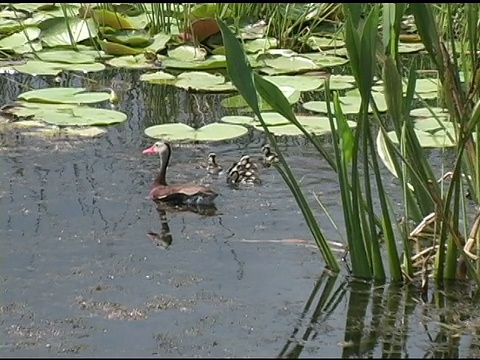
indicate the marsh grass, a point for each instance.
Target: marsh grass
{"x":425,"y":202}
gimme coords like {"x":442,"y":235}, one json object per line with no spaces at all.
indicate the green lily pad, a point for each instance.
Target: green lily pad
{"x":239,"y":120}
{"x":238,"y":102}
{"x":288,"y":65}
{"x":323,"y":43}
{"x":20,"y":38}
{"x":159,"y":77}
{"x":210,"y":132}
{"x":63,"y":95}
{"x":33,"y":47}
{"x":212,"y":62}
{"x":433,"y":126}
{"x":131,"y":38}
{"x":337,"y":52}
{"x":160,"y":41}
{"x":187,"y":53}
{"x":84,"y":132}
{"x":342,"y":82}
{"x":257,"y":45}
{"x":407,"y":48}
{"x":350,"y":104}
{"x":298,"y":82}
{"x":325,"y":61}
{"x":427,"y":113}
{"x":112,"y":19}
{"x":113,"y":48}
{"x":427,"y":140}
{"x":426,"y":85}
{"x":79,"y":30}
{"x":35,"y":67}
{"x":131,"y":62}
{"x":68,"y":56}
{"x":202,"y":81}
{"x":426,"y":96}
{"x":68,"y":114}
{"x":279,"y":125}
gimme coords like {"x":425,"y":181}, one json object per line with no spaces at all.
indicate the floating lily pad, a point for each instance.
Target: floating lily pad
{"x":298,"y":82}
{"x":87,"y":132}
{"x":323,"y":43}
{"x":159,"y":77}
{"x":202,"y":81}
{"x":113,"y":48}
{"x":407,"y":48}
{"x":349,"y":104}
{"x":438,"y":140}
{"x":257,"y":45}
{"x":325,"y":61}
{"x":239,"y":102}
{"x":427,"y":113}
{"x":20,"y":38}
{"x":341,"y":82}
{"x":68,"y":114}
{"x":279,"y":125}
{"x":160,"y":40}
{"x":433,"y":126}
{"x":210,"y":132}
{"x":212,"y":62}
{"x":131,"y":38}
{"x":426,"y":85}
{"x":187,"y":53}
{"x":239,"y":120}
{"x":35,"y":67}
{"x":132,"y":62}
{"x":61,"y":95}
{"x":69,"y":32}
{"x":337,"y":52}
{"x":112,"y":19}
{"x":288,"y":65}
{"x":68,"y":56}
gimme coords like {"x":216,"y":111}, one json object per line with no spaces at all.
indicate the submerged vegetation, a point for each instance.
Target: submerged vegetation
{"x":382,"y":113}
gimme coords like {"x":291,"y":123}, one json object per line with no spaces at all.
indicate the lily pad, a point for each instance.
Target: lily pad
{"x":350,"y":104}
{"x":112,"y":19}
{"x":132,"y":38}
{"x":63,"y":95}
{"x":210,"y":132}
{"x":61,"y":35}
{"x":427,"y":140}
{"x":159,"y":77}
{"x":407,"y":48}
{"x":427,"y":113}
{"x":323,"y":43}
{"x":113,"y":48}
{"x":433,"y":126}
{"x":35,"y":67}
{"x":212,"y":62}
{"x":160,"y":40}
{"x":257,"y":45}
{"x":202,"y":81}
{"x":238,"y":102}
{"x":288,"y":65}
{"x":68,"y":114}
{"x":239,"y":120}
{"x":298,"y":82}
{"x":68,"y":56}
{"x":20,"y":38}
{"x":325,"y":61}
{"x":187,"y":53}
{"x":132,"y":62}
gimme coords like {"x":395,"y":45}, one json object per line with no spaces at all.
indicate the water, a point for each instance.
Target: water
{"x":80,"y":276}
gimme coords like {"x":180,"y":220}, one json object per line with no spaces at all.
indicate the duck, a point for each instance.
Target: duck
{"x":269,"y":157}
{"x":176,"y":194}
{"x":212,"y":166}
{"x":242,"y":172}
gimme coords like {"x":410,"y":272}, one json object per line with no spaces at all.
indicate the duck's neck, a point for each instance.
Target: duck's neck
{"x":164,"y":159}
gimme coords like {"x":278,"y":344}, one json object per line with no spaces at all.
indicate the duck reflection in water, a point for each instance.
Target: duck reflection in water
{"x":164,"y":239}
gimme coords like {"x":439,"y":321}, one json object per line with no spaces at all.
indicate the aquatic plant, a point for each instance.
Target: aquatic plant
{"x":426,"y":203}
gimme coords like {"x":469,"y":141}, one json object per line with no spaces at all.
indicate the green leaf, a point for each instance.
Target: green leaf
{"x":438,"y":140}
{"x":203,"y":81}
{"x":349,"y":104}
{"x":288,"y":65}
{"x":160,"y":41}
{"x":59,"y":34}
{"x":68,"y":56}
{"x":325,"y":61}
{"x":62,"y":95}
{"x":239,"y":120}
{"x":187,"y":53}
{"x":298,"y":82}
{"x":212,"y":62}
{"x":429,"y":112}
{"x":323,"y":43}
{"x":113,"y":48}
{"x":132,"y":38}
{"x":131,"y":62}
{"x":35,"y":67}
{"x":210,"y":132}
{"x":112,"y":19}
{"x":159,"y":77}
{"x":258,"y":45}
{"x":20,"y":38}
{"x":237,"y":101}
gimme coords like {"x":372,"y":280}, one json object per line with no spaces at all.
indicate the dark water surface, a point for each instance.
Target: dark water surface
{"x":80,"y":276}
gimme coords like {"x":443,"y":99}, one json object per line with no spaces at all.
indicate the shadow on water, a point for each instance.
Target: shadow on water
{"x":81,"y":274}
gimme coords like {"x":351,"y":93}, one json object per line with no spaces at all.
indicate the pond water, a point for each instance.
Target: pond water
{"x":81,"y":277}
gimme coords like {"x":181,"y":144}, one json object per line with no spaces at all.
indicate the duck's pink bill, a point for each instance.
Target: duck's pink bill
{"x":150,"y":150}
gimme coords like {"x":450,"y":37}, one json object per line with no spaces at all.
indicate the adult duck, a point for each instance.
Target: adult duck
{"x":176,"y":194}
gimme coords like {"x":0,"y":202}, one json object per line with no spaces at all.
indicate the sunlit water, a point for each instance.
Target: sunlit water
{"x":81,"y":276}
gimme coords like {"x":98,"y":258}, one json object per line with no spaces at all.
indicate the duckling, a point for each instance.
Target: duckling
{"x":212,"y":166}
{"x":233,"y":177}
{"x":269,"y":157}
{"x":247,"y":163}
